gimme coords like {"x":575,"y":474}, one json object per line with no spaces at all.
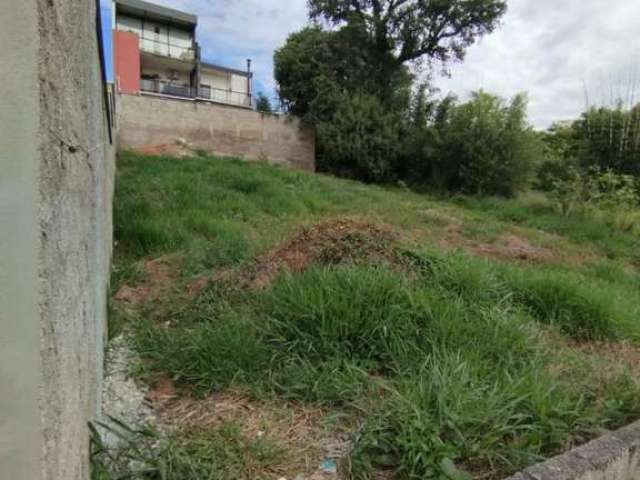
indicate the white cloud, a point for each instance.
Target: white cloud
{"x":230,"y":31}
{"x":549,"y":48}
{"x":553,"y":49}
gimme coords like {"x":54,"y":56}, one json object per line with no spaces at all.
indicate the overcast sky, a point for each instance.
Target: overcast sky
{"x":548,"y":48}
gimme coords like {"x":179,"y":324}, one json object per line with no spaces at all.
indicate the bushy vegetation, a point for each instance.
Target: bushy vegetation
{"x":362,"y":140}
{"x":375,"y":124}
{"x":608,"y":138}
{"x":601,"y":147}
{"x":483,"y":146}
{"x":438,"y":362}
{"x":263,"y":104}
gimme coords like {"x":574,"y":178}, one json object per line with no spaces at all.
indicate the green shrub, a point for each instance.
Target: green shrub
{"x":361,"y":140}
{"x":486,"y":147}
{"x":610,"y":197}
{"x":608,"y":138}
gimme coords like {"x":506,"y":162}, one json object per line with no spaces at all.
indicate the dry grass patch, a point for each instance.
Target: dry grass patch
{"x":303,"y":431}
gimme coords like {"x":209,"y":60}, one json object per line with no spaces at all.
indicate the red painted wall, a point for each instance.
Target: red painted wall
{"x":127,"y":61}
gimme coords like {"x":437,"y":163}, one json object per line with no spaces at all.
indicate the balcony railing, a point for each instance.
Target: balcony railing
{"x":206,"y":92}
{"x":167,"y":88}
{"x":225,"y":96}
{"x":167,"y":49}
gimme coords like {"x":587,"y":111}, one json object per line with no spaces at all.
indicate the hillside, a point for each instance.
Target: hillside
{"x":286,"y":321}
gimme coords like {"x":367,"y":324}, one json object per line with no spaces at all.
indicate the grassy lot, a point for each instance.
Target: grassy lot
{"x":289,"y":317}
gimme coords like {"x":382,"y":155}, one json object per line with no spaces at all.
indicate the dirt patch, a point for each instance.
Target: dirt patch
{"x":195,"y":286}
{"x":301,"y":430}
{"x":513,"y":247}
{"x":177,"y":150}
{"x":606,"y":359}
{"x":616,"y":356}
{"x":159,"y":280}
{"x":331,"y":242}
{"x":510,"y":247}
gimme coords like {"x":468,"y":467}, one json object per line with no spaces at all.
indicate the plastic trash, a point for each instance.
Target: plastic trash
{"x":329,"y":465}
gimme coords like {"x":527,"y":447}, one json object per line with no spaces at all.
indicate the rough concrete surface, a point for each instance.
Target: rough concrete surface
{"x":57,"y":177}
{"x":615,"y":456}
{"x":76,"y":184}
{"x":122,"y":398}
{"x":149,"y":121}
{"x":19,"y":329}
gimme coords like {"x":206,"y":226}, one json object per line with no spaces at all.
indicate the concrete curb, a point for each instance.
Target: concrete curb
{"x":614,"y":456}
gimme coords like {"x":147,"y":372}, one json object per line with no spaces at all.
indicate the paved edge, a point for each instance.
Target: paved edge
{"x":614,"y":456}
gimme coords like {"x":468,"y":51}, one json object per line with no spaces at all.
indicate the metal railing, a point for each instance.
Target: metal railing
{"x":225,"y":96}
{"x":206,"y":92}
{"x":166,"y":49}
{"x":167,"y":88}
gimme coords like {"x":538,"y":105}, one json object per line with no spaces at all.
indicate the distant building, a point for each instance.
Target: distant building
{"x":156,"y":53}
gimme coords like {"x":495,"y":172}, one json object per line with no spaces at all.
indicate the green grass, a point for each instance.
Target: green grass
{"x":440,"y":362}
{"x":534,"y":212}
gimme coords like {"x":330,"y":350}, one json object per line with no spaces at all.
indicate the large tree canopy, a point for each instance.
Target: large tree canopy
{"x":354,"y":82}
{"x":408,"y":30}
{"x":317,"y":67}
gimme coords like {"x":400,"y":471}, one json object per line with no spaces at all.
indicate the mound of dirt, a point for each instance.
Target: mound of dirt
{"x":331,"y":242}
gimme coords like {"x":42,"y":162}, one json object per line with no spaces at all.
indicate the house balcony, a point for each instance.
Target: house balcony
{"x":230,"y":97}
{"x":167,"y":49}
{"x":172,"y":89}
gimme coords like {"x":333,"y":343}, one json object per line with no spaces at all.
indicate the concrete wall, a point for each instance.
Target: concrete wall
{"x":56,"y":185}
{"x":147,"y":121}
{"x":615,"y":456}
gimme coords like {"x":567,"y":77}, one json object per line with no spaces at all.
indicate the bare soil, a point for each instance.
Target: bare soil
{"x":159,"y":280}
{"x":175,"y":150}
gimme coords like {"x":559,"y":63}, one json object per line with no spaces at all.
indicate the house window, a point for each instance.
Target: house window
{"x":157,"y":30}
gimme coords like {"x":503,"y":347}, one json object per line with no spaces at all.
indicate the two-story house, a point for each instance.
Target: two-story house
{"x":156,"y":53}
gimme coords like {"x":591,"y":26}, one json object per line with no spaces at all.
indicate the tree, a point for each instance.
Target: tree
{"x":485,"y":146}
{"x":263,"y":104}
{"x":335,"y":78}
{"x":401,"y":31}
{"x":609,"y":139}
{"x":316,"y":66}
{"x":361,"y":141}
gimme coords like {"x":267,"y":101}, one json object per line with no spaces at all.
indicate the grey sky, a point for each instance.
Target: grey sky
{"x":549,"y":48}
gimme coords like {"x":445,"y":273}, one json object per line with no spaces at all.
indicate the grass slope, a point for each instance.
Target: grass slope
{"x":445,"y":350}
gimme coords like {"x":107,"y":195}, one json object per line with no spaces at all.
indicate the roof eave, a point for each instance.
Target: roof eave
{"x":157,"y":12}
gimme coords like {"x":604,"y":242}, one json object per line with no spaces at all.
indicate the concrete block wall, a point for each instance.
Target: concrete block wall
{"x":614,"y":456}
{"x":149,"y":121}
{"x":56,"y":184}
